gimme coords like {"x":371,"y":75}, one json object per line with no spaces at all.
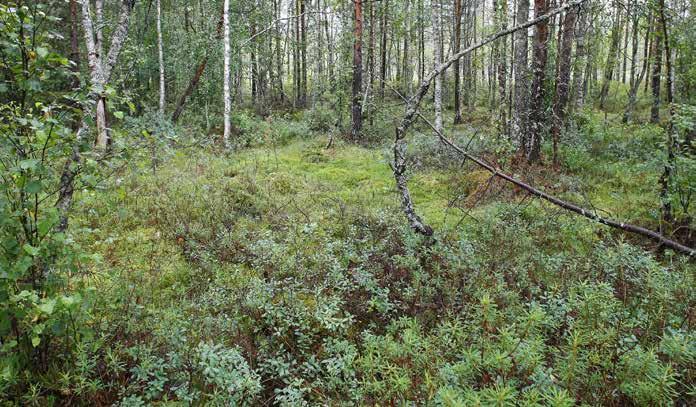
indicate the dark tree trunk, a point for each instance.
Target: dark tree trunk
{"x":303,"y":54}
{"x":383,"y":49}
{"x":537,"y":114}
{"x":371,"y":56}
{"x":657,"y":71}
{"x":457,"y":28}
{"x":519,"y":120}
{"x":563,"y":80}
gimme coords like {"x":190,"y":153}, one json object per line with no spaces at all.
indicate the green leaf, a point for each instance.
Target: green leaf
{"x":35,"y":341}
{"x":118,"y":115}
{"x":42,"y":52}
{"x":28,"y":164}
{"x":48,"y":306}
{"x":31,"y":250}
{"x":33,"y":187}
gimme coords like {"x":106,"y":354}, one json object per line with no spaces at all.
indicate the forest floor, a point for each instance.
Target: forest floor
{"x":296,"y":253}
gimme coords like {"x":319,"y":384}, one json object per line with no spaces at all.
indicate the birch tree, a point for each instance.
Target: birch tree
{"x":437,"y":60}
{"x":160,"y":54}
{"x":226,"y":95}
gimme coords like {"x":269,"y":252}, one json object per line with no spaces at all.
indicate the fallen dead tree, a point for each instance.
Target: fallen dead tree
{"x":412,"y":112}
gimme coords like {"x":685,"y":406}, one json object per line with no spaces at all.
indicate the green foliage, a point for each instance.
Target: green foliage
{"x":43,"y":312}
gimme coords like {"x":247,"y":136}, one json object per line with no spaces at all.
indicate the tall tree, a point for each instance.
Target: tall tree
{"x":657,"y":52}
{"x":197,"y":74}
{"x":635,"y":81}
{"x":457,"y":28}
{"x":356,"y":110}
{"x":610,"y":66}
{"x":519,"y":119}
{"x":500,"y":18}
{"x":100,"y":74}
{"x":227,"y":56}
{"x":537,"y":111}
{"x":160,"y":55}
{"x":437,"y":60}
{"x":563,"y":80}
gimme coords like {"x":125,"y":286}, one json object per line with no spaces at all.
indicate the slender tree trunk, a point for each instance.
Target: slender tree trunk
{"x":356,"y":127}
{"x":666,"y":178}
{"x":74,"y":44}
{"x":296,"y":68}
{"x":421,"y":42}
{"x":383,"y":48}
{"x":100,"y":72}
{"x":634,"y":82}
{"x":580,"y":60}
{"x":254,"y":66}
{"x":500,"y":17}
{"x":657,"y":70}
{"x":611,"y":57}
{"x":563,"y":80}
{"x":629,"y":11}
{"x":160,"y":54}
{"x":519,"y":120}
{"x":457,"y":28}
{"x":227,"y":56}
{"x":437,"y":60}
{"x":303,"y":54}
{"x":537,"y":115}
{"x":197,"y":74}
{"x":278,"y":53}
{"x":371,"y":57}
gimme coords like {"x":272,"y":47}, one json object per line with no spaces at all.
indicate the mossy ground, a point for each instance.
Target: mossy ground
{"x":298,"y":257}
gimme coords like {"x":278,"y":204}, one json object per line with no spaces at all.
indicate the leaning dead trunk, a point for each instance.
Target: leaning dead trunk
{"x":413,"y":104}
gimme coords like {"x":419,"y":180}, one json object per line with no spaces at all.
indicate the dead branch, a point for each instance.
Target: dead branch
{"x":399,"y":163}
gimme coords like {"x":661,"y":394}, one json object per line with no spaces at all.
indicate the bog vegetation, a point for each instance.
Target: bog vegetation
{"x":224,"y":203}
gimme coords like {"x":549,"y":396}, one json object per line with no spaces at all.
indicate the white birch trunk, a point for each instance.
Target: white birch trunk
{"x":437,"y":59}
{"x":161,"y":58}
{"x":226,"y":74}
